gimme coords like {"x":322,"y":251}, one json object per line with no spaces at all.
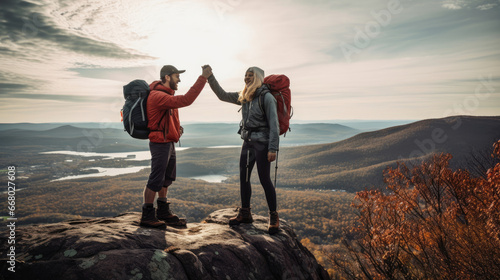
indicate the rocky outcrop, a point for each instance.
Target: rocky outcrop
{"x":117,"y":248}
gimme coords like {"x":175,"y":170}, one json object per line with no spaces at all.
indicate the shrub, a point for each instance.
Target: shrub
{"x":433,"y":223}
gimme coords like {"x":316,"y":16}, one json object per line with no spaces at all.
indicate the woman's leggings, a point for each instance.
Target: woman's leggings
{"x":252,"y":152}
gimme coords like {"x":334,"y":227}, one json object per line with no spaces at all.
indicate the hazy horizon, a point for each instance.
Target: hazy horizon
{"x":293,"y":121}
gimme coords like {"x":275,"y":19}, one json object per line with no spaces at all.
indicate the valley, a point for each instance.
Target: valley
{"x":316,"y":183}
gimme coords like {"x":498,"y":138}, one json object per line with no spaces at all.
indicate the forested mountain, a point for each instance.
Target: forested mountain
{"x":359,"y":161}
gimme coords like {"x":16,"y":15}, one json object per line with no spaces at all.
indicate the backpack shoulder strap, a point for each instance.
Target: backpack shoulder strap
{"x":262,"y":93}
{"x":261,"y":102}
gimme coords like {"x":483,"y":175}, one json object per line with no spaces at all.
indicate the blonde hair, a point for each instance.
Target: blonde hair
{"x":248,"y":92}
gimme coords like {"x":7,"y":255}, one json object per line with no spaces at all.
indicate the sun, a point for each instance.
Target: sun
{"x":187,"y":34}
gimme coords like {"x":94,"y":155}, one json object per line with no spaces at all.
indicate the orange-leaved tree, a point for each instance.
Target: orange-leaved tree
{"x":433,"y":223}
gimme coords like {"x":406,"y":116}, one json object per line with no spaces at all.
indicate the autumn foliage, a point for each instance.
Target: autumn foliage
{"x":433,"y":223}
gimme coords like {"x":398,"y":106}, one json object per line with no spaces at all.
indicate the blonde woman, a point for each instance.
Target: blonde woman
{"x":259,"y":129}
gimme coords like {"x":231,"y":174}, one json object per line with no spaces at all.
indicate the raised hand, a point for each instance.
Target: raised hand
{"x":207,"y":71}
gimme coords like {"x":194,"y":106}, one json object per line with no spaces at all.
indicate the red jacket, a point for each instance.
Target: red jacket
{"x":163,"y":116}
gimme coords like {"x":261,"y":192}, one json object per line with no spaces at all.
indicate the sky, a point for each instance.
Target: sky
{"x":67,"y":61}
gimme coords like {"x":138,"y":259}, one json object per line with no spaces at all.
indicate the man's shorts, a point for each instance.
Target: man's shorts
{"x":163,"y":162}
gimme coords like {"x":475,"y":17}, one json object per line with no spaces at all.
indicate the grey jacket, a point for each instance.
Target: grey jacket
{"x":264,"y":126}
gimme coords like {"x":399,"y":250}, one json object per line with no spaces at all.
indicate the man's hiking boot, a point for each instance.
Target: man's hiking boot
{"x":274,"y":222}
{"x":149,"y":219}
{"x":244,"y":216}
{"x":164,"y":213}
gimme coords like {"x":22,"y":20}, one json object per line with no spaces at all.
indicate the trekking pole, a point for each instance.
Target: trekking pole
{"x":276,"y":169}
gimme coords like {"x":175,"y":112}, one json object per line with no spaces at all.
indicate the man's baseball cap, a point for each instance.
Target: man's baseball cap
{"x":169,"y":70}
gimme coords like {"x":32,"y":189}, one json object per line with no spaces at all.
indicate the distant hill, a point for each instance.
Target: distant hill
{"x":349,"y":160}
{"x":361,"y":125}
{"x":65,"y":131}
{"x":358,"y":162}
{"x":47,"y":126}
{"x":107,"y":138}
{"x":317,"y":133}
{"x":68,"y":137}
{"x":372,"y":125}
{"x":217,"y":134}
{"x":110,"y":137}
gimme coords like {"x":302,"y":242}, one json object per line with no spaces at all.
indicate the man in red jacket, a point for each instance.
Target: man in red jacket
{"x":164,"y":124}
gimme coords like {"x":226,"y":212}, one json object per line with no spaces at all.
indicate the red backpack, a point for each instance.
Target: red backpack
{"x":280,"y":89}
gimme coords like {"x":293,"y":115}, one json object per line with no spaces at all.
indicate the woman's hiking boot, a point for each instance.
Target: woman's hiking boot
{"x":274,"y":222}
{"x":148,"y":219}
{"x":244,"y":216}
{"x":164,"y":213}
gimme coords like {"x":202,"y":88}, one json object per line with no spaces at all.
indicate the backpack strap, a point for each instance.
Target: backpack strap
{"x":261,"y":105}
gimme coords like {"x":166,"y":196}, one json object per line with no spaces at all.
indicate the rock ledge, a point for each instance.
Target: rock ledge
{"x":117,"y":248}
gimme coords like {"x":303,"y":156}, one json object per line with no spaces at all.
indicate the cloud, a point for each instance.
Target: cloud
{"x":6,"y":87}
{"x":56,"y":97}
{"x":53,"y":97}
{"x":476,"y":4}
{"x":37,"y":50}
{"x":26,"y":24}
{"x":452,"y":6}
{"x":487,"y":6}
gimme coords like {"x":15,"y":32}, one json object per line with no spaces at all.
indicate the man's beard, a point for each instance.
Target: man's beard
{"x":173,"y":85}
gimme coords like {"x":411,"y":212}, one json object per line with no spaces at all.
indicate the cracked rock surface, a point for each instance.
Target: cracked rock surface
{"x":117,"y":248}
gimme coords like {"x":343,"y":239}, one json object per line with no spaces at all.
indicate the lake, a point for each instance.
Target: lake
{"x":132,"y":156}
{"x":105,"y":172}
{"x":210,"y":178}
{"x":138,"y":155}
{"x":135,"y":156}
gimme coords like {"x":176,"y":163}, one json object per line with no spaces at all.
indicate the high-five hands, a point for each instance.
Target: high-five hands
{"x":207,"y":71}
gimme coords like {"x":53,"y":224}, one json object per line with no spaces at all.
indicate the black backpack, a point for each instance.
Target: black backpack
{"x":134,"y":113}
